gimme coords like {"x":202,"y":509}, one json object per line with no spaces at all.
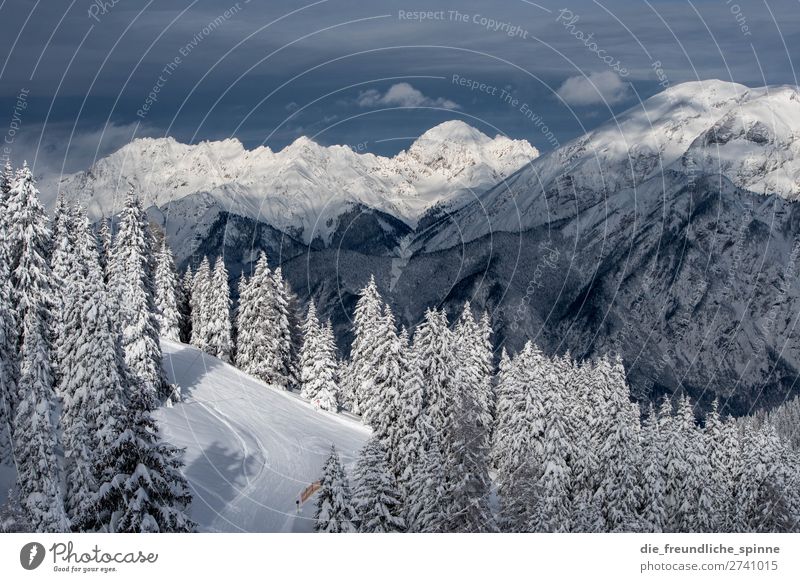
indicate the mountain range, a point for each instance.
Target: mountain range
{"x":669,"y":234}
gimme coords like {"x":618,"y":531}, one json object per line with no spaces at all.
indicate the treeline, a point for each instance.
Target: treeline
{"x":560,"y":443}
{"x":80,"y":372}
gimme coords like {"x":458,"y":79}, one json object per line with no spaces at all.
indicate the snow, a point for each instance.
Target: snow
{"x":303,"y":187}
{"x":250,"y":448}
{"x":748,"y":135}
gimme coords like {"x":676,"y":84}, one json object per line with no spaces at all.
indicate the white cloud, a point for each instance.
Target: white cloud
{"x":605,"y":87}
{"x":403,"y":95}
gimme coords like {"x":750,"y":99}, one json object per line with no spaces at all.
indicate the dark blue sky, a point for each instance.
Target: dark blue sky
{"x":367,"y":73}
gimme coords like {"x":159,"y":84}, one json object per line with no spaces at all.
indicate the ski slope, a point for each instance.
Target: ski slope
{"x":250,"y":448}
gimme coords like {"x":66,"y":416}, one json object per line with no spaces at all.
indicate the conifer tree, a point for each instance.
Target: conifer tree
{"x":552,"y":511}
{"x":134,"y":289}
{"x":381,"y":382}
{"x":335,"y":512}
{"x":92,"y":383}
{"x":142,"y":488}
{"x":427,"y":495}
{"x":318,"y":363}
{"x":62,"y":264}
{"x":652,"y":511}
{"x":104,"y":246}
{"x":587,"y":511}
{"x":218,"y":325}
{"x":200,"y":304}
{"x":35,"y":437}
{"x":435,"y":353}
{"x":366,"y":323}
{"x":468,"y":462}
{"x":376,"y":498}
{"x":406,"y":437}
{"x":765,"y":499}
{"x":9,"y":370}
{"x":519,"y":442}
{"x":167,"y":289}
{"x":618,"y":495}
{"x":246,"y":330}
{"x":281,"y":334}
{"x":185,"y":305}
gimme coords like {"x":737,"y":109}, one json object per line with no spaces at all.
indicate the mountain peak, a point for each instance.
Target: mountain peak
{"x":454,"y":130}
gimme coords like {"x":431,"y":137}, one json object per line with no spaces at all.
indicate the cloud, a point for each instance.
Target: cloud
{"x":403,"y":95}
{"x":605,"y":87}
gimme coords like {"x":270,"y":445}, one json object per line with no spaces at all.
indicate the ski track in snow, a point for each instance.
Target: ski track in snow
{"x":250,"y":448}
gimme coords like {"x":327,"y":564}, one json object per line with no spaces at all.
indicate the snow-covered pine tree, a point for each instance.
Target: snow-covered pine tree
{"x":62,"y":264}
{"x":91,"y":384}
{"x":6,"y":181}
{"x":519,"y":441}
{"x":200,"y":297}
{"x":765,"y":498}
{"x":435,"y":353}
{"x":265,"y":341}
{"x":503,"y":408}
{"x":719,"y":485}
{"x":730,"y":455}
{"x":486,"y":356}
{"x":218,"y":325}
{"x":265,"y":325}
{"x":133,"y":286}
{"x":9,"y":368}
{"x":381,"y":383}
{"x":280,"y":328}
{"x":618,"y":494}
{"x":467,"y":464}
{"x":335,"y":512}
{"x":185,"y":305}
{"x":651,"y":508}
{"x":407,"y":439}
{"x":318,"y":369}
{"x":553,"y":510}
{"x":246,"y":331}
{"x":104,"y":246}
{"x":697,"y":516}
{"x":167,"y":292}
{"x":35,"y":435}
{"x":141,"y":485}
{"x":587,"y":514}
{"x":677,"y":479}
{"x":376,"y":497}
{"x":426,"y":500}
{"x":296,"y":336}
{"x":366,"y":323}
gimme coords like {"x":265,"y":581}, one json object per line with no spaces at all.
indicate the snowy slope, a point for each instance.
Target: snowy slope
{"x":250,"y":449}
{"x":304,"y":187}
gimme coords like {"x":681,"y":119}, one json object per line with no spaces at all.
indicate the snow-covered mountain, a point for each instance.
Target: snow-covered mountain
{"x":250,"y":448}
{"x":305,"y":188}
{"x":749,"y":136}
